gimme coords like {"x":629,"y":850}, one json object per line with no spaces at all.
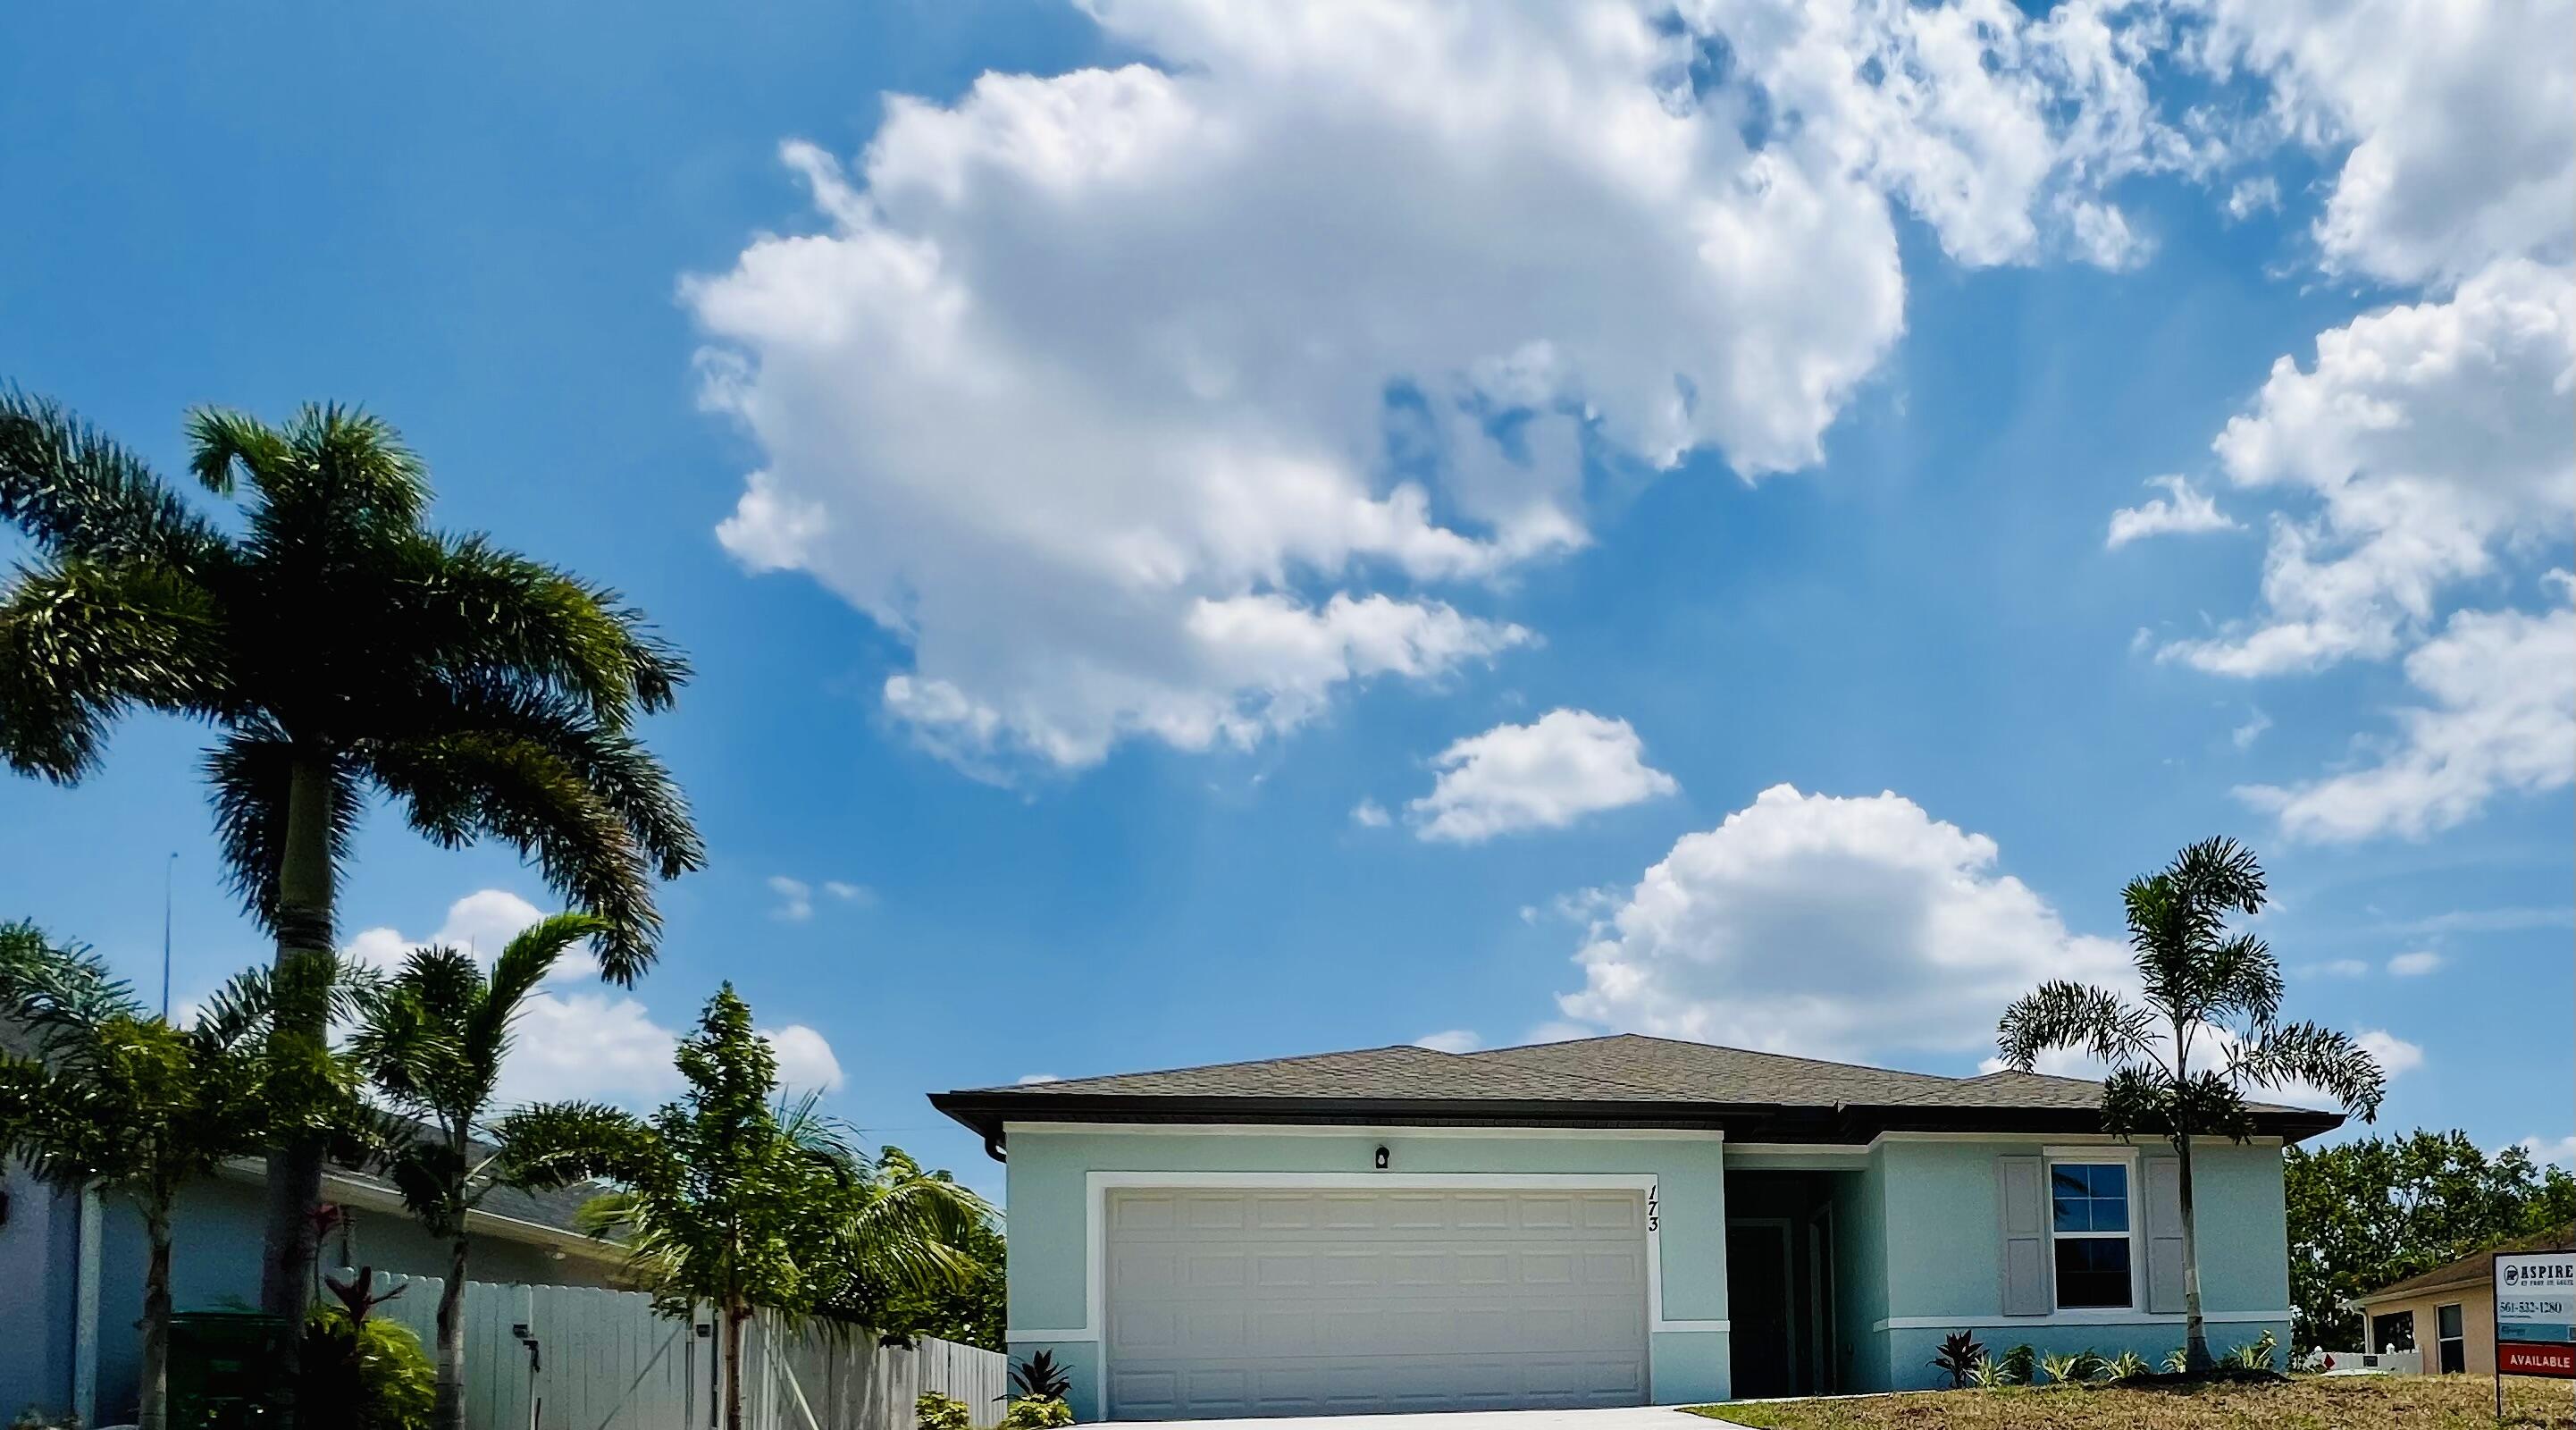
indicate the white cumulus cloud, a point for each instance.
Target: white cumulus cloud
{"x":573,"y":1042}
{"x":2396,"y":1055}
{"x":482,"y":923}
{"x":2415,"y":964}
{"x":2182,"y":510}
{"x":2455,"y":120}
{"x":2500,"y":718}
{"x":1454,"y":1040}
{"x":1543,"y":775}
{"x":2432,"y":439}
{"x":1165,"y":401}
{"x":1830,"y":927}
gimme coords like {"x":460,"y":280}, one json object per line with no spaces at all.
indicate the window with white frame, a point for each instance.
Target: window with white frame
{"x":2089,"y":1226}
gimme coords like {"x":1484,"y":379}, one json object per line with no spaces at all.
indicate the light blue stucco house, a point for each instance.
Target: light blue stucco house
{"x":1611,"y":1221}
{"x":71,"y":1269}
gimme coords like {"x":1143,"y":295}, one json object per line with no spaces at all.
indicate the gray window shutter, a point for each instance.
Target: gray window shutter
{"x":2021,"y":1189}
{"x":2164,"y":1233}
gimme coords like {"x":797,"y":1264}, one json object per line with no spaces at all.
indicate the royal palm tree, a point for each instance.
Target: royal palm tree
{"x":341,"y":649}
{"x":433,"y":1043}
{"x":2204,"y":1027}
{"x":109,"y":1098}
{"x":733,"y":1198}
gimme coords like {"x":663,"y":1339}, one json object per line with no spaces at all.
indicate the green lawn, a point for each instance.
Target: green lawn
{"x":2414,"y":1402}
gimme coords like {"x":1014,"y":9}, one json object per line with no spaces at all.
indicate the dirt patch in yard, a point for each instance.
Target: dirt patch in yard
{"x":2411,"y":1402}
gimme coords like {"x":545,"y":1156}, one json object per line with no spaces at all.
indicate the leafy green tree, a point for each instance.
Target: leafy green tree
{"x":970,"y":1309}
{"x":2205,"y":1027}
{"x":342,"y":649}
{"x":114,"y":1099}
{"x":732,"y":1198}
{"x":2374,"y":1210}
{"x":433,"y":1043}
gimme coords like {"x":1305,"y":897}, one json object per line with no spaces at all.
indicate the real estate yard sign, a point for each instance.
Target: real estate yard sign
{"x":2535,"y":1313}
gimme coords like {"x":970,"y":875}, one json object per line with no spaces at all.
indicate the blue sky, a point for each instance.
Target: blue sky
{"x":1138,"y":523}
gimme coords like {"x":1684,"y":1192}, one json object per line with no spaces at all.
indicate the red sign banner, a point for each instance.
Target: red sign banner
{"x":2529,"y":1358}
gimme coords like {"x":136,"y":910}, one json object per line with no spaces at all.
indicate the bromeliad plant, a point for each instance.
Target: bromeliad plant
{"x":342,"y":649}
{"x":2205,"y":1027}
{"x":432,"y":1043}
{"x":1958,"y":1357}
{"x":1039,"y":1378}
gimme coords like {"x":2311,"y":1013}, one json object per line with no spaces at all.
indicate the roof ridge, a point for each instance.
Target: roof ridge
{"x":1726,"y":1048}
{"x":1214,"y":1067}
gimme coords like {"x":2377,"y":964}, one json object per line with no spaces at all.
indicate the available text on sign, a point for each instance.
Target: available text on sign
{"x":2535,"y":1300}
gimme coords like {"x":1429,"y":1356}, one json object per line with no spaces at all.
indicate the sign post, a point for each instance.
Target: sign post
{"x":2535,"y":1316}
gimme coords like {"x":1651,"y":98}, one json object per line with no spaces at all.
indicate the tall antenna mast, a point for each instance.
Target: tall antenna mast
{"x":169,"y":873}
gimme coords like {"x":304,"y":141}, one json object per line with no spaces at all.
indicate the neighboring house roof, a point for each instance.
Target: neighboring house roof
{"x":2474,"y":1269}
{"x":543,"y":1219}
{"x":1625,"y":1080}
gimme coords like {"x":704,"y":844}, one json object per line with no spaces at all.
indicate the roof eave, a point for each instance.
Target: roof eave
{"x":984,"y":1111}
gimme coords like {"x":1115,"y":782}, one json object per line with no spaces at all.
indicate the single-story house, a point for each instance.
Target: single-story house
{"x":73,"y":1266}
{"x":1611,"y":1221}
{"x":2448,"y":1313}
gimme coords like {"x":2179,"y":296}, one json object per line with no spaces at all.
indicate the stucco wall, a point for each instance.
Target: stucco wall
{"x":1944,"y":1253}
{"x":1048,"y":1204}
{"x":1917,"y":1242}
{"x":214,"y":1264}
{"x":1860,"y":1271}
{"x":37,"y":1242}
{"x":2477,"y":1323}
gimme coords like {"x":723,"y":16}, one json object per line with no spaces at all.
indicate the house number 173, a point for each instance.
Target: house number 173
{"x":1650,"y":1209}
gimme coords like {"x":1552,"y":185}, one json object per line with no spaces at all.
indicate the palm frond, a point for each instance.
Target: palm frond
{"x":556,"y":1144}
{"x":79,"y":496}
{"x":60,"y":993}
{"x":468,"y":605}
{"x":2138,"y":1100}
{"x":82,"y":642}
{"x":514,"y":790}
{"x":2241,"y":977}
{"x":523,"y":965}
{"x":2061,"y":1014}
{"x":2222,"y":874}
{"x":332,"y":469}
{"x":607,"y":758}
{"x":2318,"y":1056}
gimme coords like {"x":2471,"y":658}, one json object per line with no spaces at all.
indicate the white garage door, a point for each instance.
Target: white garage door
{"x":1263,"y":1301}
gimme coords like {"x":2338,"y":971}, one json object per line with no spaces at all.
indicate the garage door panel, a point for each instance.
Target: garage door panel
{"x":1238,"y":1302}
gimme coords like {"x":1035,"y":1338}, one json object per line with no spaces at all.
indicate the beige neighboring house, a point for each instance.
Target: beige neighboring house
{"x":2448,"y":1313}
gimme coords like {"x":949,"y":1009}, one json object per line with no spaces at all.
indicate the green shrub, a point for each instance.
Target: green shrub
{"x":2255,"y":1354}
{"x":934,"y":1411}
{"x":1958,"y":1357}
{"x":33,"y":1419}
{"x":1033,"y":1412}
{"x":2018,"y":1364}
{"x":370,"y":1375}
{"x":2178,"y":1360}
{"x":2125,"y":1365}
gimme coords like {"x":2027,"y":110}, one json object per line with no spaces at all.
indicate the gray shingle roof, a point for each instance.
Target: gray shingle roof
{"x":1621,"y":1076}
{"x":1402,"y":1071}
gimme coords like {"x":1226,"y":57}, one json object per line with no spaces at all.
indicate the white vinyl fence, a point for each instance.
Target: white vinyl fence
{"x":575,"y":1358}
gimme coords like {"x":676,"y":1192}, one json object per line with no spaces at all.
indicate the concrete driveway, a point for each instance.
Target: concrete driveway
{"x":1640,"y":1417}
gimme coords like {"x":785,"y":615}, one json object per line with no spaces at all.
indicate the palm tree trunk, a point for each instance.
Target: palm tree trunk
{"x":2195,"y":1333}
{"x":303,"y":920}
{"x":155,"y":1411}
{"x":451,"y":1340}
{"x":734,"y":1318}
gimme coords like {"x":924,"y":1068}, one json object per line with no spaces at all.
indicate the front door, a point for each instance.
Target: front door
{"x":1757,"y":1307}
